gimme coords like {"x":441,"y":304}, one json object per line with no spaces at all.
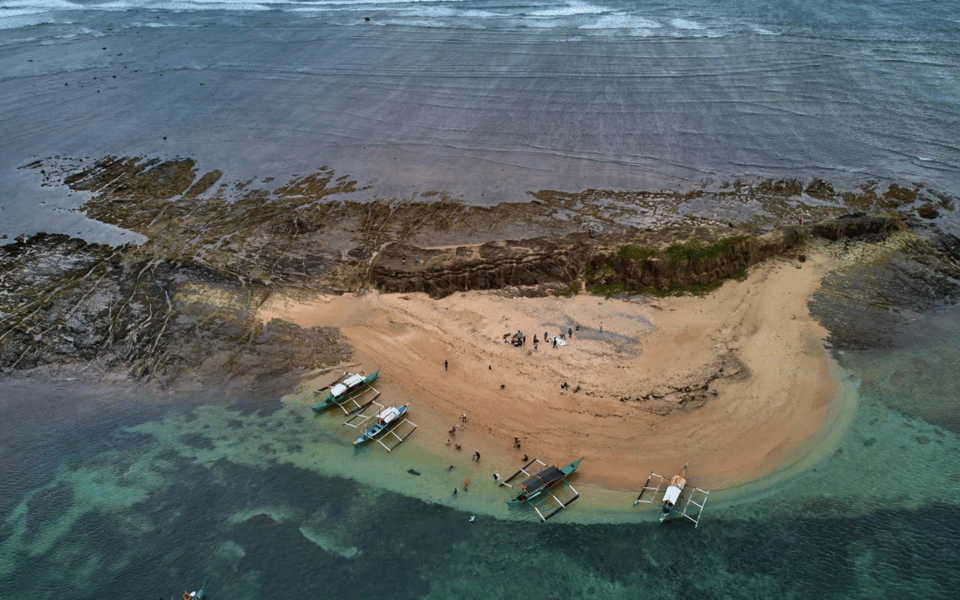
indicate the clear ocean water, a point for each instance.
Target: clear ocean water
{"x":135,"y":495}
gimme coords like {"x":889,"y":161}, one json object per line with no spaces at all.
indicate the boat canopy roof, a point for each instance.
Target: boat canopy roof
{"x":543,"y":479}
{"x":346,"y":384}
{"x":672,"y":495}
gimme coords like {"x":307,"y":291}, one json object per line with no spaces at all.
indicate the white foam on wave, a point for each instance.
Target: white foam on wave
{"x":622,"y":21}
{"x":439,"y":24}
{"x":40,"y":5}
{"x":762,"y":30}
{"x":686,"y":24}
{"x":569,"y":10}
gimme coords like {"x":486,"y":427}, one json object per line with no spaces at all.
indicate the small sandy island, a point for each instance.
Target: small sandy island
{"x":736,"y":384}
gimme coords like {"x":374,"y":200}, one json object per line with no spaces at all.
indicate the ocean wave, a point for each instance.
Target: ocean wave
{"x":622,"y":21}
{"x":569,"y":10}
{"x":686,"y":24}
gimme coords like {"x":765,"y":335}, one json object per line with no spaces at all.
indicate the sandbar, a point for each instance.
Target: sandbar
{"x":736,"y":384}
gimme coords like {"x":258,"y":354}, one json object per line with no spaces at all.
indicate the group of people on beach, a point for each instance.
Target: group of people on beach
{"x":476,"y":455}
{"x":518,"y":339}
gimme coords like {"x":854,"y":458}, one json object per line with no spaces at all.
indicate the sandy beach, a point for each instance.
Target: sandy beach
{"x":736,"y":384}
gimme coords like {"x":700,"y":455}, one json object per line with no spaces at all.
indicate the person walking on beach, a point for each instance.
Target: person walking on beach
{"x":569,"y":332}
{"x":463,"y":418}
{"x":445,"y":365}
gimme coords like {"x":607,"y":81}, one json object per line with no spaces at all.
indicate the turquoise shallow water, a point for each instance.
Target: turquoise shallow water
{"x":140,"y":496}
{"x":116,"y":494}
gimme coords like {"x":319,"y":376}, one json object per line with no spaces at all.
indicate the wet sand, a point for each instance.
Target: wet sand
{"x":767,"y":416}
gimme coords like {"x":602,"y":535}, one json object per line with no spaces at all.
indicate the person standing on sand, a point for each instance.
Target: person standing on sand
{"x":569,"y":333}
{"x":445,"y":365}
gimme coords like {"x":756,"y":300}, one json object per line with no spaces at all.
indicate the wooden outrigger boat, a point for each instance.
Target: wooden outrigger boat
{"x":672,"y":500}
{"x":384,"y":421}
{"x":537,"y":488}
{"x":346,"y":392}
{"x":197,"y":595}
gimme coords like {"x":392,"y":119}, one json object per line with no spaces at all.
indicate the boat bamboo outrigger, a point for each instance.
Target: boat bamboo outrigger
{"x":536,"y":489}
{"x":197,"y":595}
{"x":347,"y":391}
{"x":383,"y":421}
{"x":672,"y":496}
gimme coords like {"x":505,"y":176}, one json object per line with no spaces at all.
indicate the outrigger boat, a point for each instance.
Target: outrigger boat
{"x":384,"y":421}
{"x":536,"y":489}
{"x":198,"y":595}
{"x":346,"y":392}
{"x":676,"y":487}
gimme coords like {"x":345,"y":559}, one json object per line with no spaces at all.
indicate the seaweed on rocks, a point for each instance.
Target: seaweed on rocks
{"x":181,"y":306}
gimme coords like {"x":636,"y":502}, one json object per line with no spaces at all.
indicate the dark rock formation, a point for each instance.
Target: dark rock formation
{"x":874,"y":304}
{"x":69,"y":305}
{"x":857,"y":225}
{"x":691,"y":263}
{"x":494,"y":265}
{"x":181,"y":305}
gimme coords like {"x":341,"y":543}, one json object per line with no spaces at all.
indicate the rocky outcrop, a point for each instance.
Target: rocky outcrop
{"x":857,"y":225}
{"x":183,"y":300}
{"x":872,"y":299}
{"x":494,"y":265}
{"x":692,"y":263}
{"x":552,"y":264}
{"x":69,"y":306}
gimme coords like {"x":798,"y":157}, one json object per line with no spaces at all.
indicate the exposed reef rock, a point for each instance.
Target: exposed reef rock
{"x":694,"y":393}
{"x":873,"y":298}
{"x":685,"y":263}
{"x":857,"y":225}
{"x":71,"y":306}
{"x":494,"y":265}
{"x":180,"y":307}
{"x":608,"y":264}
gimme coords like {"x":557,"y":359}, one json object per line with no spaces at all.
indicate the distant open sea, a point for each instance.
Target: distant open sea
{"x":128,"y":495}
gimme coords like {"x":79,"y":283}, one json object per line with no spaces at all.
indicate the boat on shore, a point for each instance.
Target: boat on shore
{"x":347,"y":387}
{"x":381,"y":421}
{"x":689,"y":506}
{"x":537,"y":484}
{"x":537,"y":490}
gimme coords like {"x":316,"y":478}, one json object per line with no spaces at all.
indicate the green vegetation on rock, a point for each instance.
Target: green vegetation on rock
{"x":697,"y":265}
